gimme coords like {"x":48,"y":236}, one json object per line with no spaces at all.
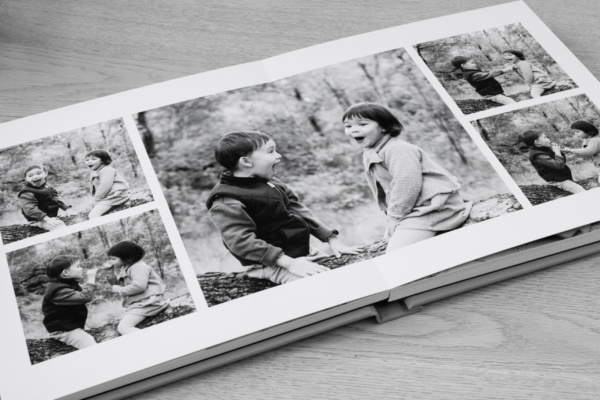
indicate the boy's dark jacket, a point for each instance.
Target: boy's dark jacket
{"x":62,"y":317}
{"x":48,"y":200}
{"x":547,"y":172}
{"x":267,"y":203}
{"x":484,"y":87}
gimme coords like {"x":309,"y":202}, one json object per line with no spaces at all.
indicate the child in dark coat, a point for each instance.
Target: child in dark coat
{"x":39,"y":201}
{"x":64,"y":303}
{"x":483,"y":81}
{"x":260,"y":219}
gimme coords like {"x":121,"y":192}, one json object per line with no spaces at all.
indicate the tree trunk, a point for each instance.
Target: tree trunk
{"x":339,"y":94}
{"x":146,"y":133}
{"x":155,"y":247}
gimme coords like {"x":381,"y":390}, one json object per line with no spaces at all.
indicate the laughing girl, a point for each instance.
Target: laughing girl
{"x":420,"y":198}
{"x":108,"y":187}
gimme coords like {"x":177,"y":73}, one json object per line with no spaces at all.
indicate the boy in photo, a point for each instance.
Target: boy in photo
{"x":64,"y":303}
{"x":549,"y":161}
{"x":260,"y":219}
{"x":40,"y":202}
{"x":483,"y":81}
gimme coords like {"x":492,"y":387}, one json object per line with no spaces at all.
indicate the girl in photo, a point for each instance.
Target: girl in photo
{"x":590,"y":147}
{"x":537,"y":80}
{"x":141,"y":288}
{"x":108,"y":187}
{"x":419,"y":197}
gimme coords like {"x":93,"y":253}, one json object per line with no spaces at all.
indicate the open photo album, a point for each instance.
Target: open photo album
{"x":218,"y":215}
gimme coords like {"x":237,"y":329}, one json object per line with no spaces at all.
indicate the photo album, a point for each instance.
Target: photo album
{"x":195,"y":222}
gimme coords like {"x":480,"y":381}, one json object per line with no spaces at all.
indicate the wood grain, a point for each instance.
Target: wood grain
{"x":537,"y":336}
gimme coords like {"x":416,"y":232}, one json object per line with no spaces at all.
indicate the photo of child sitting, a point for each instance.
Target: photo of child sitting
{"x":260,"y":219}
{"x":547,"y":155}
{"x":494,"y":67}
{"x":96,"y":285}
{"x":40,"y":203}
{"x":64,"y":179}
{"x":64,"y":303}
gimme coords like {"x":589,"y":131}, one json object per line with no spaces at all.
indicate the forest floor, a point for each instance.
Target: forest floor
{"x":13,"y":233}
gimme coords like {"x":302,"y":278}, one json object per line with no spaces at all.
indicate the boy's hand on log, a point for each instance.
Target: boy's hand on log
{"x":300,"y":266}
{"x":338,"y":247}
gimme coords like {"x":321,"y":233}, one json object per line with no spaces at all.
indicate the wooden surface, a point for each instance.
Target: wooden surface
{"x":537,"y":336}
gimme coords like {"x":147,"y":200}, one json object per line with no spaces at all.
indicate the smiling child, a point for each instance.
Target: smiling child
{"x":483,"y":81}
{"x":108,"y":187}
{"x":40,"y":202}
{"x":260,"y":219}
{"x":420,"y":198}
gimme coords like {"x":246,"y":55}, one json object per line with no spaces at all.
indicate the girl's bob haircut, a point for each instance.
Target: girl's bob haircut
{"x":516,"y":53}
{"x":101,"y":154}
{"x":128,"y":251}
{"x":586,"y":127}
{"x":375,"y":112}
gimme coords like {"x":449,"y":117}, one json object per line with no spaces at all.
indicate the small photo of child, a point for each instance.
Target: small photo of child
{"x":67,"y":178}
{"x":83,"y":289}
{"x":549,"y":151}
{"x":494,"y":67}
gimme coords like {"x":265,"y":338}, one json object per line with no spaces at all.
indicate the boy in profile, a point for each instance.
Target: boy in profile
{"x":64,"y":303}
{"x":483,"y":81}
{"x":260,"y":219}
{"x":40,"y":202}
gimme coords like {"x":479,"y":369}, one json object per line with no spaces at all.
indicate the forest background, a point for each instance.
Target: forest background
{"x":303,"y":115}
{"x":485,"y":48}
{"x":64,"y":155}
{"x":28,"y":268}
{"x":501,"y":133}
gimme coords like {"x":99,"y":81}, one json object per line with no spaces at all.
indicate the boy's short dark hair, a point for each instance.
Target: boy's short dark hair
{"x":58,"y":264}
{"x":102,"y":155}
{"x":235,"y":145}
{"x":35,"y":166}
{"x":529,"y":137}
{"x":586,"y":127}
{"x":517,"y":53}
{"x":375,"y":112}
{"x":458,"y":61}
{"x":128,"y":251}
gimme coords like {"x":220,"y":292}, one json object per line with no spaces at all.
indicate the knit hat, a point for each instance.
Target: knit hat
{"x":586,"y":127}
{"x":128,"y":251}
{"x":458,"y":61}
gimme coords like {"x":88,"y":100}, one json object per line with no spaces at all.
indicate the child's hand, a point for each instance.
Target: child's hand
{"x":91,"y":276}
{"x":338,"y":247}
{"x":116,"y":289}
{"x":53,"y":222}
{"x":300,"y":266}
{"x":508,"y":68}
{"x":556,"y":148}
{"x":567,"y":150}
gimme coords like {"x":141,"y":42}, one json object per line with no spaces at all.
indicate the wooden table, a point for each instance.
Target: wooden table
{"x":537,"y":336}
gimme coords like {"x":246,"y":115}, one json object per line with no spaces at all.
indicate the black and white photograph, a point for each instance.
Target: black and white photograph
{"x":493,"y":67}
{"x":551,"y":150}
{"x":276,"y":182}
{"x":95,"y":285}
{"x":64,"y":179}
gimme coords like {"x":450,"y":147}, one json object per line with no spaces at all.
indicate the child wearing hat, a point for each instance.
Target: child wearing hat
{"x":64,"y":302}
{"x":141,"y":288}
{"x":483,"y":81}
{"x":590,"y":147}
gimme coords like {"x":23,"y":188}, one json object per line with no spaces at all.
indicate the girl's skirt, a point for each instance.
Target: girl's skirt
{"x":116,"y":198}
{"x":147,"y":307}
{"x":441,"y":213}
